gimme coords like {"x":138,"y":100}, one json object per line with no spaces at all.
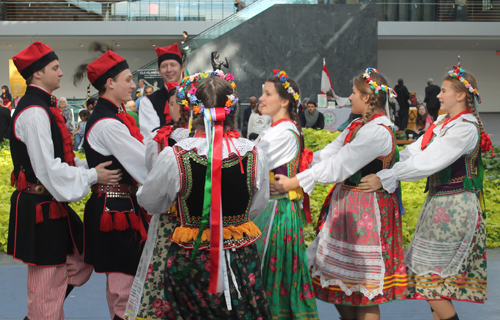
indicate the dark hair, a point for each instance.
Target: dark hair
{"x":90,"y":101}
{"x":377,"y":100}
{"x":329,"y":93}
{"x":7,"y":92}
{"x":213,"y":93}
{"x":187,"y":34}
{"x":420,"y":122}
{"x":103,"y":88}
{"x":292,"y":104}
{"x":84,"y":113}
{"x":256,"y":108}
{"x":400,"y":81}
{"x":148,"y":87}
{"x":311,"y":102}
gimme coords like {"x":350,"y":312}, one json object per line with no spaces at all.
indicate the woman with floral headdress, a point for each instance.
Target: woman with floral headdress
{"x":219,"y":180}
{"x":284,"y":263}
{"x":148,"y":282}
{"x":446,"y":259}
{"x":357,"y":256}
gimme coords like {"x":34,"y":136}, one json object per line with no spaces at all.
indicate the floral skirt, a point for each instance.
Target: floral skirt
{"x":153,"y":285}
{"x":285,"y":272}
{"x":188,"y":298}
{"x":468,"y":285}
{"x":394,"y":277}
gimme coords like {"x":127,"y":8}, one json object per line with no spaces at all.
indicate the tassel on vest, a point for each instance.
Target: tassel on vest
{"x":12,"y":179}
{"x":356,"y":178}
{"x":135,"y":221}
{"x":106,"y":222}
{"x":39,"y":213}
{"x":21,"y":181}
{"x":121,"y":223}
{"x":57,"y":210}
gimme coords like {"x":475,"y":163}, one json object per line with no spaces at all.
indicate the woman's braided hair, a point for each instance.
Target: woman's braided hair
{"x":377,"y":100}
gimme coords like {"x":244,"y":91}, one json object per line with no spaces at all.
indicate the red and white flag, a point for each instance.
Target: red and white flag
{"x":326,"y":83}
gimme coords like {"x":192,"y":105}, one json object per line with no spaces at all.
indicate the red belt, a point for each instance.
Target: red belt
{"x":122,"y":188}
{"x":36,"y":189}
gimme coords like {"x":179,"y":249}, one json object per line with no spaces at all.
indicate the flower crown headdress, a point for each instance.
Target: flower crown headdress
{"x":459,"y":73}
{"x":376,"y":88}
{"x":280,"y":74}
{"x":191,"y":98}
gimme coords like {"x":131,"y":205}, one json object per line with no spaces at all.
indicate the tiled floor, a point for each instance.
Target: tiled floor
{"x":89,"y":301}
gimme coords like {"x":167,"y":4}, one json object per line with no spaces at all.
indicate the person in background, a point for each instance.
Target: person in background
{"x":186,"y":37}
{"x":6,"y":98}
{"x":4,"y":123}
{"x":240,"y":5}
{"x":246,"y":115}
{"x":79,"y":132}
{"x":257,"y":123}
{"x":67,"y":112}
{"x":423,"y":122}
{"x":132,"y":111}
{"x":312,"y":118}
{"x":154,"y":111}
{"x":431,"y":99}
{"x":91,"y":102}
{"x":149,"y":90}
{"x":140,"y":89}
{"x":404,"y":106}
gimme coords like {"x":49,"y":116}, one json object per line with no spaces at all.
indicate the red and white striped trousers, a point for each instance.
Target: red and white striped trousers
{"x":47,"y":287}
{"x":118,"y":287}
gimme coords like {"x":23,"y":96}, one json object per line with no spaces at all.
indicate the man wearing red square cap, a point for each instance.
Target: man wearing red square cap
{"x":44,"y":232}
{"x":115,"y":225}
{"x":153,"y":109}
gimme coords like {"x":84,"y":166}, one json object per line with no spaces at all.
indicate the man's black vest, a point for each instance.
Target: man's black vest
{"x":159,"y":99}
{"x":34,"y":97}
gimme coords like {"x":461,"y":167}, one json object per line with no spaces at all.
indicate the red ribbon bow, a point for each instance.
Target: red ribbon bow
{"x":162,"y":135}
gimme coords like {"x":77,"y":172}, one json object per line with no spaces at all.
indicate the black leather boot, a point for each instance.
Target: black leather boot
{"x":117,"y":317}
{"x":455,"y":317}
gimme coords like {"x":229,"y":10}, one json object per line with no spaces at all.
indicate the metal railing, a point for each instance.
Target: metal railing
{"x":142,"y":10}
{"x":215,"y":10}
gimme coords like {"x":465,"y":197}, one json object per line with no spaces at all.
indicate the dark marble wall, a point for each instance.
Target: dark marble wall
{"x":296,"y":38}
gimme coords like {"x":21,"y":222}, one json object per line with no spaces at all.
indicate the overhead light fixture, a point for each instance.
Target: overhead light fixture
{"x":81,"y":45}
{"x":117,"y":45}
{"x":154,"y":45}
{"x":9,"y":45}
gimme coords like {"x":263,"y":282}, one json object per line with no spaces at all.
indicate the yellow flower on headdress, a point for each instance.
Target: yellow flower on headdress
{"x":204,"y":75}
{"x":282,"y":73}
{"x":233,"y":85}
{"x":185,"y":102}
{"x":286,"y":85}
{"x":296,"y":96}
{"x":466,"y":82}
{"x":185,"y":78}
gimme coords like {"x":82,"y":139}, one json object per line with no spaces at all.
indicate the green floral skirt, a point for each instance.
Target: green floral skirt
{"x":188,"y":298}
{"x":285,"y":272}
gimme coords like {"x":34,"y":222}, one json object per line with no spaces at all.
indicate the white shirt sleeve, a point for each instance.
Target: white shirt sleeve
{"x":162,"y":185}
{"x":151,"y":151}
{"x":148,"y":118}
{"x":330,"y":150}
{"x":111,"y":137}
{"x":261,"y":191}
{"x":371,"y":142}
{"x":279,"y":148}
{"x":458,"y":140}
{"x":64,"y":182}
